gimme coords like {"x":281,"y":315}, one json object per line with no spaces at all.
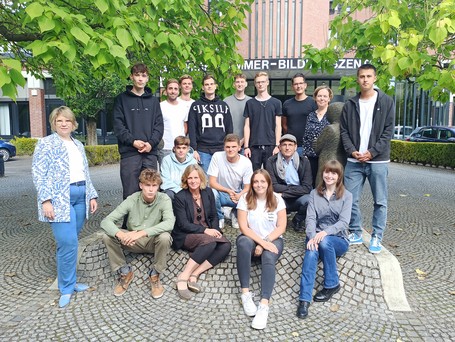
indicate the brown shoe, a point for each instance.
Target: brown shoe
{"x":123,"y":283}
{"x":156,"y":288}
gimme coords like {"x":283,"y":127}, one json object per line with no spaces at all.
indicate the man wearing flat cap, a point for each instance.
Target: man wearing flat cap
{"x":291,"y":178}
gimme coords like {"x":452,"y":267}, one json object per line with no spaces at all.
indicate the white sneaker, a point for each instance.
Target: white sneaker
{"x":221,"y":224}
{"x":234,"y":222}
{"x":260,"y":320}
{"x":248,"y":305}
{"x":226,"y":212}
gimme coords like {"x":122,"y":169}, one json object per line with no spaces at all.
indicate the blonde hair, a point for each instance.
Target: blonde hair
{"x":318,"y":89}
{"x":260,"y":74}
{"x":66,"y":113}
{"x":200,"y":172}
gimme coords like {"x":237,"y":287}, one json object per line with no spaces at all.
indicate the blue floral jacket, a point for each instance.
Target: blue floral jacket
{"x":51,"y":176}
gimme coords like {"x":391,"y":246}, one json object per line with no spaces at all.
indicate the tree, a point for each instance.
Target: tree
{"x":406,"y":40}
{"x":171,"y":36}
{"x":93,"y":100}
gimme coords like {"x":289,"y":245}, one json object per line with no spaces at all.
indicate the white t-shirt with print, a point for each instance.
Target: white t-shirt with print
{"x":260,"y":220}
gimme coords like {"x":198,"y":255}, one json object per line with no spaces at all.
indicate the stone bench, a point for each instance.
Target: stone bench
{"x":358,"y":269}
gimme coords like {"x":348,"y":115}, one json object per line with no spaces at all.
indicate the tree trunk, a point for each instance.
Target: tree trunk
{"x":91,"y":132}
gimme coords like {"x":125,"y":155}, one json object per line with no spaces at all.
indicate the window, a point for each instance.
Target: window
{"x":429,"y":133}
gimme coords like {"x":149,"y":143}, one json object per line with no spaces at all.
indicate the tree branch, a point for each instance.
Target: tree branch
{"x":18,"y":37}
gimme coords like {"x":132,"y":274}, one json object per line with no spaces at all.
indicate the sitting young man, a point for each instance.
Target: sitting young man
{"x":292,"y":178}
{"x":229,"y":177}
{"x":174,"y":164}
{"x":150,"y":222}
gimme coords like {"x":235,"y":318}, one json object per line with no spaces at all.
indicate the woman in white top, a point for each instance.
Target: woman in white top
{"x":65,"y":194}
{"x":262,"y":220}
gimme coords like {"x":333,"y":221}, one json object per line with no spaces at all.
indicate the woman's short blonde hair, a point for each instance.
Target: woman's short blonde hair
{"x":318,"y":89}
{"x":200,"y":172}
{"x":66,"y":113}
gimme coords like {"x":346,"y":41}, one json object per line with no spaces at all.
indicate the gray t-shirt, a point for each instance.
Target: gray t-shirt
{"x":237,"y":108}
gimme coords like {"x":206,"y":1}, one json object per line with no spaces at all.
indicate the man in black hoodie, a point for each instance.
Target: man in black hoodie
{"x":209,"y":121}
{"x":138,"y":125}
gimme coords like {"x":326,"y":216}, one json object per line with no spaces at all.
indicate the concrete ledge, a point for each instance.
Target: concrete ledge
{"x":364,"y":278}
{"x":391,"y":278}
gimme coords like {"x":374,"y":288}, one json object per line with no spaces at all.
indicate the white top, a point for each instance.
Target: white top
{"x":230,"y":175}
{"x":174,"y":117}
{"x":366,"y":121}
{"x":76,"y":162}
{"x":260,"y":220}
{"x":186,"y":103}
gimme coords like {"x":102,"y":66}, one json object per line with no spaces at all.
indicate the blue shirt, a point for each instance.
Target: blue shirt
{"x":291,"y":175}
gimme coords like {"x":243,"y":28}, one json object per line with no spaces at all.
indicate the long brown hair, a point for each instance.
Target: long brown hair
{"x":332,"y":166}
{"x":251,"y":198}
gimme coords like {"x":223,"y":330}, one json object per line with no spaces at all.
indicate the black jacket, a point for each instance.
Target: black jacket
{"x":137,"y":118}
{"x":381,"y":132}
{"x":184,"y":215}
{"x":291,"y":191}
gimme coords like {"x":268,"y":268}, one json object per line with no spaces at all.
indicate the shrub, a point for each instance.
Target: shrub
{"x":24,"y":146}
{"x":102,"y":154}
{"x":436,"y":154}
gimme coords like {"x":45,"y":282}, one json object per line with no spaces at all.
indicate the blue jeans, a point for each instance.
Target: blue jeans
{"x":330,"y":248}
{"x":66,"y":234}
{"x":222,"y":199}
{"x":298,"y":204}
{"x":245,"y":251}
{"x":354,"y":179}
{"x":205,"y":160}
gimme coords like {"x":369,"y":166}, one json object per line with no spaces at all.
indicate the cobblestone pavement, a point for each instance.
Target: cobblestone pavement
{"x":420,"y":234}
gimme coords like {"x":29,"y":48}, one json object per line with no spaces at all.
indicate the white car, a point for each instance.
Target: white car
{"x":398,"y":132}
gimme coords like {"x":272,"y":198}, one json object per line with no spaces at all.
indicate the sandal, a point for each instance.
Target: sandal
{"x":193,"y":285}
{"x":185,"y":293}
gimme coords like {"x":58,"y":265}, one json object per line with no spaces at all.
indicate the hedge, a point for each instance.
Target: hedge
{"x":96,"y":155}
{"x":426,"y":153}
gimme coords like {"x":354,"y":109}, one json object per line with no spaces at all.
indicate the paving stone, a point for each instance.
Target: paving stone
{"x":29,"y":311}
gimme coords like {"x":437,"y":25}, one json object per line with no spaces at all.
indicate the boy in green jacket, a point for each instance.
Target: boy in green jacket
{"x":149,"y":224}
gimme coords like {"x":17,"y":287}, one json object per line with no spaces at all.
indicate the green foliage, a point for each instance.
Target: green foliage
{"x":437,"y":154}
{"x":24,"y":146}
{"x":102,"y":154}
{"x":171,"y":37}
{"x":403,"y":39}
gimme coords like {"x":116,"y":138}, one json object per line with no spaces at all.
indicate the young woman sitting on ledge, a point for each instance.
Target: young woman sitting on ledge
{"x":327,"y":222}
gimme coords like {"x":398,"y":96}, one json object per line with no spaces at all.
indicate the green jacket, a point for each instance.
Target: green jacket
{"x":154,"y":218}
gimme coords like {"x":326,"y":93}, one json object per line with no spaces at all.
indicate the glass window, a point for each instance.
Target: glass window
{"x":5,"y":120}
{"x":24,"y":118}
{"x":278,"y":87}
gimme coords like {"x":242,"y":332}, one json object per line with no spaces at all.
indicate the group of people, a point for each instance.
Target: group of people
{"x":181,"y":206}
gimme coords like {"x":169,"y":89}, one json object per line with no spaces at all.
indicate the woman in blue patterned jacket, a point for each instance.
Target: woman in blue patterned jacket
{"x":65,"y":194}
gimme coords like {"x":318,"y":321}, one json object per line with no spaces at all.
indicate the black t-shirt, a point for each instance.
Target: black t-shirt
{"x":262,"y":115}
{"x":296,"y":113}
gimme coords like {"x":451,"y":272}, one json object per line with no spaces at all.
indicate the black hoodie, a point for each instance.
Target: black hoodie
{"x":137,"y":118}
{"x":209,"y":121}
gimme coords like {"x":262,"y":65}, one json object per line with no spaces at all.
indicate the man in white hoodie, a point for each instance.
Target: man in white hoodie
{"x":174,"y":164}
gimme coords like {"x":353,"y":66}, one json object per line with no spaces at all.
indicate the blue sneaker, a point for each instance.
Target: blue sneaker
{"x":375,"y":245}
{"x":355,"y":239}
{"x":64,"y":300}
{"x":79,"y":287}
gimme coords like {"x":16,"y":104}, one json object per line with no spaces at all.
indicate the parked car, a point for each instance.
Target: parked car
{"x":433,"y":134}
{"x":7,"y":150}
{"x":399,"y":131}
